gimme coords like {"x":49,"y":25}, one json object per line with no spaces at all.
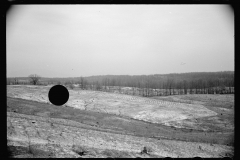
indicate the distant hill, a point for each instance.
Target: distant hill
{"x":181,"y":81}
{"x":175,"y":76}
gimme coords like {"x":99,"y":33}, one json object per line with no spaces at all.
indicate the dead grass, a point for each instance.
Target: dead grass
{"x":116,"y":154}
{"x":213,"y":100}
{"x":112,"y":123}
{"x":118,"y":125}
{"x":24,"y":152}
{"x":80,"y":150}
{"x":146,"y":150}
{"x":84,"y":151}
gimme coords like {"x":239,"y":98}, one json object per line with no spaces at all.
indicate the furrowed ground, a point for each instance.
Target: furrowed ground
{"x":99,"y":124}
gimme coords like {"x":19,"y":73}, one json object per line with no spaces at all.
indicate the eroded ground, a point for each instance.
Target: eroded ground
{"x":222,"y":105}
{"x":146,"y":109}
{"x":87,"y":125}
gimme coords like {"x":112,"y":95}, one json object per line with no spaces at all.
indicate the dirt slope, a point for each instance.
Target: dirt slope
{"x":56,"y":132}
{"x":146,"y":109}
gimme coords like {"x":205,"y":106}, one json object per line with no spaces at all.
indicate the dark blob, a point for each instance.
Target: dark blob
{"x":197,"y":158}
{"x":58,"y":95}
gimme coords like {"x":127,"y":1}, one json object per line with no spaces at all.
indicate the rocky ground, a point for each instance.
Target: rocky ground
{"x":97,"y":124}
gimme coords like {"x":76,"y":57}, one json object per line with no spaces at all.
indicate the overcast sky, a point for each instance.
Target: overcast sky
{"x":85,"y":40}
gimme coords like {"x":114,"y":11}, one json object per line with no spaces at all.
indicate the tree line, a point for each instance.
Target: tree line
{"x":153,"y":85}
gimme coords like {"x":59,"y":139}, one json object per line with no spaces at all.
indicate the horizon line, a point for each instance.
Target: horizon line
{"x":125,"y":74}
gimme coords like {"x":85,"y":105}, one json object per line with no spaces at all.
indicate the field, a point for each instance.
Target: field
{"x":99,"y":124}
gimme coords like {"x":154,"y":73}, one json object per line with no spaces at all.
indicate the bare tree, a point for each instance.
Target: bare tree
{"x":98,"y":86}
{"x":105,"y":83}
{"x":83,"y":83}
{"x":34,"y":79}
{"x":185,"y":86}
{"x":15,"y":80}
{"x":170,"y":85}
{"x":113,"y":82}
{"x":8,"y":81}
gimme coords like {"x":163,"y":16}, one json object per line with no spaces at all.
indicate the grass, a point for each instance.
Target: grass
{"x":113,"y":122}
{"x":92,"y":152}
{"x":131,"y":126}
{"x":80,"y":150}
{"x":116,"y":154}
{"x":24,"y":152}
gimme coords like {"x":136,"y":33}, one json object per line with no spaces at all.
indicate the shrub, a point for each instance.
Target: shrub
{"x":71,"y":86}
{"x":146,"y":150}
{"x":79,"y":150}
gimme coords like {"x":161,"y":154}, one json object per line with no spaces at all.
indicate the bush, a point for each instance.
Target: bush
{"x":146,"y":150}
{"x":71,"y":86}
{"x":79,"y":150}
{"x":24,"y":152}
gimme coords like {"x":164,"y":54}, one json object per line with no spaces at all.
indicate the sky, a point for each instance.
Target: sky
{"x":86,"y":40}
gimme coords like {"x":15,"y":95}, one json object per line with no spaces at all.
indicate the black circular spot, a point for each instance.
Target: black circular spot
{"x":197,"y":158}
{"x":110,"y":158}
{"x":58,"y":95}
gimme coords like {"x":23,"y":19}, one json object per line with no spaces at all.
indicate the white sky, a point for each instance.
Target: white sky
{"x":85,"y":40}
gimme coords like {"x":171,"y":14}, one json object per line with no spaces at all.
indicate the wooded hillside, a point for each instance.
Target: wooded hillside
{"x":147,"y":85}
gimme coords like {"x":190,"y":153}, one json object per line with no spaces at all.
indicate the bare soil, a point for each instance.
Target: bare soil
{"x":68,"y":131}
{"x":222,"y":105}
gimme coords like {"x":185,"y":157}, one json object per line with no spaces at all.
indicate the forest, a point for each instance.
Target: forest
{"x":146,"y":85}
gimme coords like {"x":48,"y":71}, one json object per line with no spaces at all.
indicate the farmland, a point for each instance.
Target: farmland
{"x":103,"y":124}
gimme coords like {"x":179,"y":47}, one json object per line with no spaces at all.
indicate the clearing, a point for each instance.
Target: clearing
{"x":99,"y":124}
